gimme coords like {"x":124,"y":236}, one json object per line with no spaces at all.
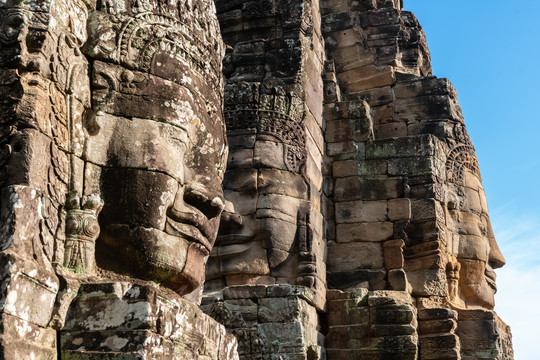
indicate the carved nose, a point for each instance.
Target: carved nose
{"x":210,"y":203}
{"x":496,"y":258}
{"x":230,"y":221}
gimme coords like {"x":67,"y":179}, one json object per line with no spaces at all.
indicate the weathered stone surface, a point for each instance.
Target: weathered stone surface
{"x":112,"y":318}
{"x":286,"y":320}
{"x":117,"y":106}
{"x":352,"y":218}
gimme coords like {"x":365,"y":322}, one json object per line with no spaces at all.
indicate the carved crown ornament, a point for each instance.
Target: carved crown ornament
{"x":277,"y":115}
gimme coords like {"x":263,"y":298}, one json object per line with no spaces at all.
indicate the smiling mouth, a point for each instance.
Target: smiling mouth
{"x":490,"y":278}
{"x":188,"y":226}
{"x":233,"y":239}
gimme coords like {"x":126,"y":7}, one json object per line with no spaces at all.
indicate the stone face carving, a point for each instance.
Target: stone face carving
{"x":272,"y":227}
{"x":113,"y":149}
{"x":160,"y":183}
{"x":470,"y":236}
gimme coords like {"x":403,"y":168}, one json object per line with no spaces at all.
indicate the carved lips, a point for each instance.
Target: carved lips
{"x":197,"y":221}
{"x":188,"y":225}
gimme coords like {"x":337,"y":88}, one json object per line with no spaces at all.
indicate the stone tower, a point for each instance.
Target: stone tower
{"x":357,"y":226}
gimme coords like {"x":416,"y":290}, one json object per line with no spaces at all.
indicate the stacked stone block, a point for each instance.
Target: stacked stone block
{"x":394,"y":134}
{"x":438,"y":339}
{"x":77,"y":79}
{"x":42,"y":101}
{"x":112,"y":320}
{"x":275,"y":321}
{"x":371,"y":325}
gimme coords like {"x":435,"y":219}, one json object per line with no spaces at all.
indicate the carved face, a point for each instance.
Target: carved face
{"x":472,"y":242}
{"x":258,"y":241}
{"x":156,"y":146}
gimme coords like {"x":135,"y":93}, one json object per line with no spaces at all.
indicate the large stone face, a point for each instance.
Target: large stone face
{"x":272,"y":229}
{"x":113,"y":146}
{"x":157,"y":137}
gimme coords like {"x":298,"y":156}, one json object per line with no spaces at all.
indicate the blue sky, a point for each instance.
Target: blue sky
{"x":490,"y":51}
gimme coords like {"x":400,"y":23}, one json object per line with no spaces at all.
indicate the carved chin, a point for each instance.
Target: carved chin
{"x":192,"y":275}
{"x":477,"y":290}
{"x":154,"y":255}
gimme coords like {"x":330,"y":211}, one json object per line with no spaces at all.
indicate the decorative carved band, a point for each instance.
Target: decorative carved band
{"x":276,"y":115}
{"x":146,"y":34}
{"x":82,"y":230}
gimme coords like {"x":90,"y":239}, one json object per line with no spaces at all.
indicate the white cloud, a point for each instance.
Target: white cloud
{"x":518,"y":296}
{"x":518,"y":304}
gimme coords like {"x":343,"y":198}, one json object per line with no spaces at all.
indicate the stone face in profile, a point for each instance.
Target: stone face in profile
{"x":470,"y":236}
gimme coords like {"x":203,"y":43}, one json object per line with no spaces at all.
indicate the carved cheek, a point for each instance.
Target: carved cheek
{"x":473,"y":247}
{"x":471,"y":275}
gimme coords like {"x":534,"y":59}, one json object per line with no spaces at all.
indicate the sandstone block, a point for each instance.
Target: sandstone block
{"x":272,"y":181}
{"x":364,"y":232}
{"x":393,"y":254}
{"x":399,"y":209}
{"x":366,"y":278}
{"x":289,"y":337}
{"x":420,"y":145}
{"x":385,"y":298}
{"x":367,"y":77}
{"x":246,"y":309}
{"x":424,"y":87}
{"x":345,"y":168}
{"x":413,"y":166}
{"x":254,"y":259}
{"x":269,"y":154}
{"x":426,"y":210}
{"x":390,"y":130}
{"x":240,"y":158}
{"x":355,"y":188}
{"x":348,"y":312}
{"x":338,"y":131}
{"x":245,"y":203}
{"x":437,"y":326}
{"x":372,"y":167}
{"x":397,"y":280}
{"x":244,"y":292}
{"x":361,"y":211}
{"x":427,"y":107}
{"x":376,"y":97}
{"x":428,"y":282}
{"x":440,"y":346}
{"x":348,"y":336}
{"x":245,"y":180}
{"x":351,"y":256}
{"x":349,"y":55}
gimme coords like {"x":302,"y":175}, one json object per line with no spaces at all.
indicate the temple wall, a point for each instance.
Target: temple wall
{"x":409,"y":248}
